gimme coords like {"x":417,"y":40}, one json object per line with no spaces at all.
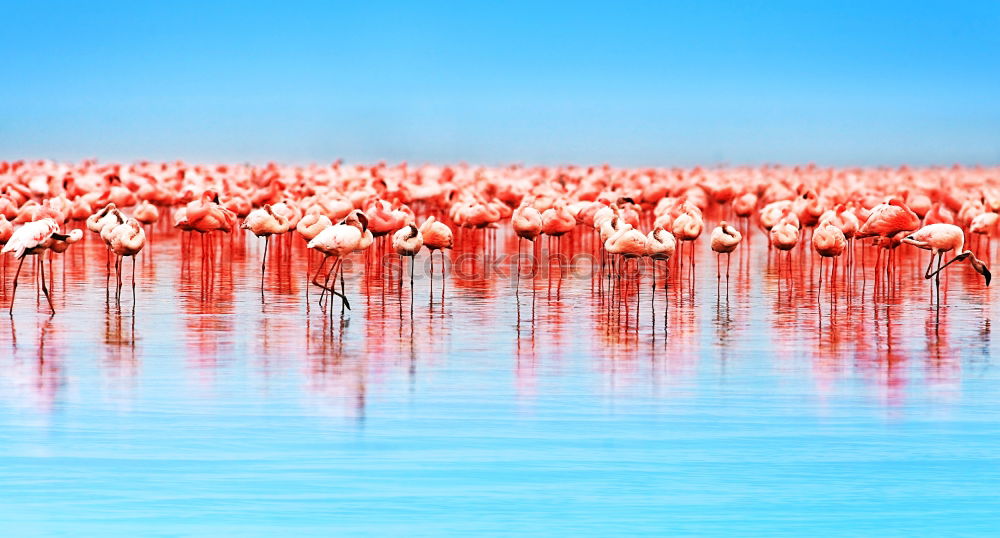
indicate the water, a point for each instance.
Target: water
{"x":202,"y":411}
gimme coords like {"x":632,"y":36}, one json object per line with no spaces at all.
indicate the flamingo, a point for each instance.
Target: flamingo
{"x":338,"y":241}
{"x":556,"y":222}
{"x":889,"y":222}
{"x":407,"y":241}
{"x":126,"y":240}
{"x":32,"y":239}
{"x":146,"y":213}
{"x":784,"y":235}
{"x":627,"y":243}
{"x":311,"y":225}
{"x":829,"y":241}
{"x":265,"y":222}
{"x":437,"y":236}
{"x":527,"y":223}
{"x":6,"y":231}
{"x":725,"y":239}
{"x":941,"y":238}
{"x":59,"y":244}
{"x":687,"y":226}
{"x":660,"y":245}
{"x":984,"y":224}
{"x":107,"y":216}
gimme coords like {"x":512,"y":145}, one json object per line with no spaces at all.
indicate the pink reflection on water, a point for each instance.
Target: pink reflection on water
{"x":201,"y":297}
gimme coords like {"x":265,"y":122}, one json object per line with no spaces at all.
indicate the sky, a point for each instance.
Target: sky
{"x":625,"y":83}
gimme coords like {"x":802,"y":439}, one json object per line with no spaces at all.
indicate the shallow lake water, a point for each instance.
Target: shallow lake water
{"x":579,"y":405}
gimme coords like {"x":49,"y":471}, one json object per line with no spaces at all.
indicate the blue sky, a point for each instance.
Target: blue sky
{"x":496,"y":82}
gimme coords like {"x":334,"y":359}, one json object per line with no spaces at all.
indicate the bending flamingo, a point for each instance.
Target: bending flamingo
{"x":33,"y":238}
{"x":338,"y":241}
{"x":939,"y":239}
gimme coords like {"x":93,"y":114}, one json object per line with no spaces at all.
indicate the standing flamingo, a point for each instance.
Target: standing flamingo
{"x":437,"y":236}
{"x":127,"y":240}
{"x":829,"y":241}
{"x":32,"y":238}
{"x":784,"y":235}
{"x":984,"y":224}
{"x":660,"y":246}
{"x":407,"y":241}
{"x":743,"y":207}
{"x":628,"y":243}
{"x":888,"y":221}
{"x":6,"y":231}
{"x":146,"y":213}
{"x":687,"y":226}
{"x":265,"y":222}
{"x":107,"y":216}
{"x":725,"y":239}
{"x":527,"y":223}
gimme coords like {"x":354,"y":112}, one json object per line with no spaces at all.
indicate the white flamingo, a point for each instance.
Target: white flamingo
{"x":33,"y":238}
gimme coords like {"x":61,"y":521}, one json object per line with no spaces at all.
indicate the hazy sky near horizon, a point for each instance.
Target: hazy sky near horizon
{"x":629,"y":83}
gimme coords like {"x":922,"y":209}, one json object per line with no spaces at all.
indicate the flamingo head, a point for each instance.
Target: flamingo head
{"x":357,"y":217}
{"x":978,"y":265}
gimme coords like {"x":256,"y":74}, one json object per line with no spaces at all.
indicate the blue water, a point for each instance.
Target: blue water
{"x":547,"y":413}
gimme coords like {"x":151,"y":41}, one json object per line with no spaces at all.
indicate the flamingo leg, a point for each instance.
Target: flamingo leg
{"x":326,"y":282}
{"x":927,"y":273}
{"x":332,"y":287}
{"x":343,"y":294}
{"x":878,"y":266}
{"x":45,"y":289}
{"x":315,"y":279}
{"x":517,"y":275}
{"x":118,"y":280}
{"x":819,"y":287}
{"x":958,"y":258}
{"x":937,"y":277}
{"x":13,"y":291}
{"x":263,"y":262}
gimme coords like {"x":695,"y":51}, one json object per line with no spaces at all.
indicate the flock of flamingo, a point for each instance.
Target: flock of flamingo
{"x":628,"y":216}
